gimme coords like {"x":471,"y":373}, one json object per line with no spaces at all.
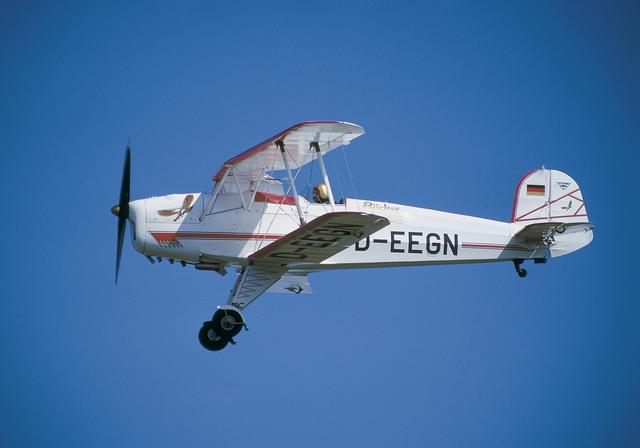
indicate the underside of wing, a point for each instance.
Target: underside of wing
{"x":252,"y":282}
{"x":320,"y":239}
{"x":296,"y":283}
{"x":297,"y":141}
{"x":256,"y":279}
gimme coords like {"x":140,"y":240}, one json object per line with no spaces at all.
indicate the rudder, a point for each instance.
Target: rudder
{"x":544,"y":195}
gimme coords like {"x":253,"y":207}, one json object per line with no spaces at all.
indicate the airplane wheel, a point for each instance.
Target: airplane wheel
{"x":522,"y":273}
{"x":227,"y":323}
{"x":210,"y":339}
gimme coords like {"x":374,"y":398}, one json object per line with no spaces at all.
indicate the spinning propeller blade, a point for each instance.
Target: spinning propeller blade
{"x":122,"y":209}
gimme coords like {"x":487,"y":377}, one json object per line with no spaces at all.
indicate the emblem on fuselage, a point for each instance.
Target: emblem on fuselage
{"x":181,"y":211}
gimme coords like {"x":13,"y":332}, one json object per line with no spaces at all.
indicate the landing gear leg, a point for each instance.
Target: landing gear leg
{"x":522,"y":273}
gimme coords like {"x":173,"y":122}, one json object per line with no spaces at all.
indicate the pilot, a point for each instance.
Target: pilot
{"x":320,"y":194}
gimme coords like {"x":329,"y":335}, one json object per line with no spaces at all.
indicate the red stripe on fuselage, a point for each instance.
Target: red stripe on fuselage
{"x":493,"y":246}
{"x":171,"y":236}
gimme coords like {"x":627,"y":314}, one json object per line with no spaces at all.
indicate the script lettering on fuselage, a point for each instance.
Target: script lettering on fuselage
{"x":401,"y":242}
{"x":380,"y":206}
{"x":324,"y":236}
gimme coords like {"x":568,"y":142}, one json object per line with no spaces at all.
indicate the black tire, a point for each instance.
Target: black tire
{"x":522,"y":273}
{"x":210,"y":339}
{"x":227,"y":323}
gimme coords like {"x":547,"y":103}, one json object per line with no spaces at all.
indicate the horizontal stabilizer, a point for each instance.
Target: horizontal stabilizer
{"x":541,"y":232}
{"x":320,"y":239}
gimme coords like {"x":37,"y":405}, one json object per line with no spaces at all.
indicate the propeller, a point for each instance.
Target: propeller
{"x":122,"y":209}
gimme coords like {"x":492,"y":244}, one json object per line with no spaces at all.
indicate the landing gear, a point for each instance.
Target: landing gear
{"x":522,"y":273}
{"x":210,"y":339}
{"x":227,"y":322}
{"x":220,"y":330}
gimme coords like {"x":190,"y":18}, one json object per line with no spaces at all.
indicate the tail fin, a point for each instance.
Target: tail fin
{"x":548,"y":196}
{"x":551,"y":196}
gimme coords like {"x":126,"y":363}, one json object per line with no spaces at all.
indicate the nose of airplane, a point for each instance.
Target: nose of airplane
{"x":137,"y":218}
{"x":132,"y":211}
{"x":135,"y":213}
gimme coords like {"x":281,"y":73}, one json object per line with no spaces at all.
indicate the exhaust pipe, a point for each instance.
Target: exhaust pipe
{"x":212,"y":267}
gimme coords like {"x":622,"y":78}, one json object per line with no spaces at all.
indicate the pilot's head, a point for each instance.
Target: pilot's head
{"x":320,"y":194}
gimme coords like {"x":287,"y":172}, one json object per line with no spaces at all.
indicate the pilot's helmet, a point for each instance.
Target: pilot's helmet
{"x":320,"y":194}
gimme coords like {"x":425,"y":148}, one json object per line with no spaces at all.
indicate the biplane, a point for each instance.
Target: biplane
{"x":255,"y":221}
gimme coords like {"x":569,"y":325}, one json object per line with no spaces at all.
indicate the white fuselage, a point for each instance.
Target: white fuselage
{"x":416,"y":236}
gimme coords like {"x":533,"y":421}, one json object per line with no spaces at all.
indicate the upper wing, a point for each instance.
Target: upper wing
{"x":540,"y":232}
{"x":264,"y":157}
{"x":320,"y":239}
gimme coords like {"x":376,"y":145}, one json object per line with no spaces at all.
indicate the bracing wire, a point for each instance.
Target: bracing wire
{"x":337,"y":174}
{"x":280,"y":208}
{"x":346,"y":162}
{"x":308,"y":190}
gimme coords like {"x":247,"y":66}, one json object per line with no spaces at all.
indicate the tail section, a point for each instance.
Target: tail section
{"x":551,"y":196}
{"x":548,"y":196}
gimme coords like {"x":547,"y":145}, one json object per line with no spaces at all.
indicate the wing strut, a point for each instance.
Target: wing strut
{"x":214,"y":195}
{"x":280,"y":144}
{"x":325,"y":178}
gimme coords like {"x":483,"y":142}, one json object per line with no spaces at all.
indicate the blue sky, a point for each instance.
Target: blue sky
{"x":458,"y":101}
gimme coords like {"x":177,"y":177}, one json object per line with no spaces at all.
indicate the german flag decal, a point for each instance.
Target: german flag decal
{"x":535,"y":190}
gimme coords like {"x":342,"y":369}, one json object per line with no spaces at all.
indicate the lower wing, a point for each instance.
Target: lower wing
{"x":313,"y":242}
